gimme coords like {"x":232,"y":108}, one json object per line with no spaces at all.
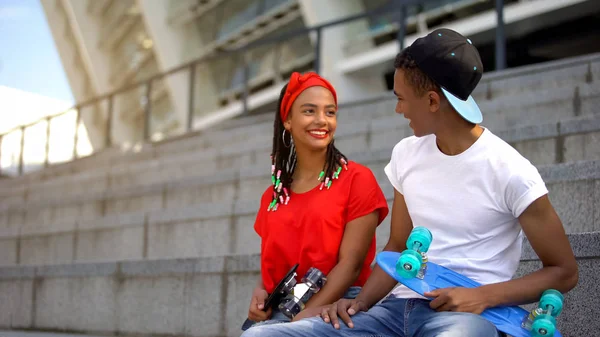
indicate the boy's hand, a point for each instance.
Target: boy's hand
{"x":344,"y":308}
{"x":471,"y":300}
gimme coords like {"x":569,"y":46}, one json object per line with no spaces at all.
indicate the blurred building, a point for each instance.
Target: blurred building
{"x":106,"y":45}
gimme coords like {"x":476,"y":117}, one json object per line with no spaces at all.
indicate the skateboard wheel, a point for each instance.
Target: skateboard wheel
{"x":409,"y":263}
{"x":315,"y":278}
{"x":290,"y":307}
{"x":420,"y":235}
{"x":543,"y":326}
{"x":555,"y":299}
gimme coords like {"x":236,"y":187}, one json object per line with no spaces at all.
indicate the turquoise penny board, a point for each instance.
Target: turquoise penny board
{"x":506,"y":319}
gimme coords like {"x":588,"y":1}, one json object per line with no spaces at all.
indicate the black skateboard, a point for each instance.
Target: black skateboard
{"x":291,"y":295}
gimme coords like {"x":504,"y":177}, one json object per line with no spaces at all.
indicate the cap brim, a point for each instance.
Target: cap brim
{"x":468,"y":109}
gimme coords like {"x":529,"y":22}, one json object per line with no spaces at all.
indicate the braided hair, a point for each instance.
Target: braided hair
{"x":284,"y":160}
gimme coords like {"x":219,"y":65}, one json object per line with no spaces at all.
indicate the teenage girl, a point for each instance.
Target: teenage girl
{"x":321,"y":210}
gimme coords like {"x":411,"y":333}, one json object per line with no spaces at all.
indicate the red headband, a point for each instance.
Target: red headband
{"x":298,"y":83}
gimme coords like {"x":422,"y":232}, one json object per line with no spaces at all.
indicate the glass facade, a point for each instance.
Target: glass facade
{"x":132,"y":55}
{"x":232,"y":19}
{"x":266,"y":64}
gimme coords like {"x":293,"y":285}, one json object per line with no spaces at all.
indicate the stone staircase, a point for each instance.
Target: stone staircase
{"x":160,"y":241}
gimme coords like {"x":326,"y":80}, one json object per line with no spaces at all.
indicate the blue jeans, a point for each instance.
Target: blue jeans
{"x":393,"y":317}
{"x":278,"y":317}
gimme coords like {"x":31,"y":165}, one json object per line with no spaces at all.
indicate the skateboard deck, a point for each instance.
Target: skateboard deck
{"x":507,"y":319}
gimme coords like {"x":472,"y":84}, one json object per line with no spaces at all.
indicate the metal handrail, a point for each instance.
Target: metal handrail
{"x":391,"y":6}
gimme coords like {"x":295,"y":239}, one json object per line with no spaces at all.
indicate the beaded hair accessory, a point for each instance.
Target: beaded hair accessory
{"x":278,"y":185}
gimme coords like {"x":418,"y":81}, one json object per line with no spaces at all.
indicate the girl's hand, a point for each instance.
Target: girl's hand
{"x":256,"y":313}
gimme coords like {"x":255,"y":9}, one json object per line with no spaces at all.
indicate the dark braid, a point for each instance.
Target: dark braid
{"x":284,"y":160}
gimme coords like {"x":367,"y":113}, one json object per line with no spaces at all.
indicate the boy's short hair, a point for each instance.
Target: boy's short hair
{"x":415,"y":77}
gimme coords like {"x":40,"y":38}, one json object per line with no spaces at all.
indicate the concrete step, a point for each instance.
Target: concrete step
{"x":358,"y":137}
{"x":568,"y":140}
{"x":199,"y":297}
{"x":554,"y":74}
{"x":549,"y":104}
{"x":551,"y":90}
{"x":21,"y":333}
{"x":226,"y":227}
{"x":119,"y":157}
{"x":526,"y":107}
{"x":99,"y":160}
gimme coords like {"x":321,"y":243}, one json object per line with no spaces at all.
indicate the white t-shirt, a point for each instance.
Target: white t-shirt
{"x":470,"y":202}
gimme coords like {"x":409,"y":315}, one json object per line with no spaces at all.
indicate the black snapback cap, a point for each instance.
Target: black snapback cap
{"x":453,"y":62}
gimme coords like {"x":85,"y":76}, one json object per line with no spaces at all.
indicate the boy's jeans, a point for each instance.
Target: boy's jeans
{"x":393,"y":317}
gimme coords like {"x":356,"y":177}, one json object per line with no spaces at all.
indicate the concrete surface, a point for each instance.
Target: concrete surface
{"x":205,"y":296}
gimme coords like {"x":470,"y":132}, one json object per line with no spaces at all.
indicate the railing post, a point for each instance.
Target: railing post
{"x":147,"y":111}
{"x":109,"y":117}
{"x":21,"y":164}
{"x":47,"y":154}
{"x":318,"y":51}
{"x":76,"y":137}
{"x":401,"y":24}
{"x":500,"y":36}
{"x":246,"y":93}
{"x":190,"y":117}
